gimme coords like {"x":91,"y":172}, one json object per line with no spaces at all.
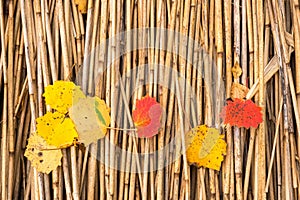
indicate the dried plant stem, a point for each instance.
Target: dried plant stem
{"x":261,"y":134}
{"x":274,"y":147}
{"x":227,"y":13}
{"x":64,"y":44}
{"x":236,"y":131}
{"x":4,"y":148}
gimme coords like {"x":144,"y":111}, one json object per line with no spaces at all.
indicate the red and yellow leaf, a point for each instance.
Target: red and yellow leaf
{"x":242,"y":113}
{"x":147,"y":117}
{"x":205,"y":147}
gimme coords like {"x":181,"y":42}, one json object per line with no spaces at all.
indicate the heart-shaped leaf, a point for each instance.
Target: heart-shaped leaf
{"x":147,"y":116}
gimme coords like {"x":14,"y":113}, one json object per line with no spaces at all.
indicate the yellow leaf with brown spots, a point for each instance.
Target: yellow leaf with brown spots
{"x":205,"y":147}
{"x":44,"y":157}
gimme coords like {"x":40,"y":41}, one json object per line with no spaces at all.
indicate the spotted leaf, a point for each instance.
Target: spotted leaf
{"x":205,"y":147}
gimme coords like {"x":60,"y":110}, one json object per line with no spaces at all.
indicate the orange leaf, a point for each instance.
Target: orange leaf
{"x":242,"y":113}
{"x":147,"y":116}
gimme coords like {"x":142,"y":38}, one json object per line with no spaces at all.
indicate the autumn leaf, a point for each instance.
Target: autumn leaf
{"x":42,"y":159}
{"x":242,"y":113}
{"x":62,"y":94}
{"x":82,"y":5}
{"x":238,"y":91}
{"x":91,"y":118}
{"x":56,"y":129}
{"x":205,"y":147}
{"x":147,"y":116}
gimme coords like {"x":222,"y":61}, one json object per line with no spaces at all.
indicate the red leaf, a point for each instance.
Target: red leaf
{"x":242,"y":113}
{"x":147,"y":116}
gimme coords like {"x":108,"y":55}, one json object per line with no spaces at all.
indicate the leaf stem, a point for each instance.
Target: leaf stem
{"x":121,"y":129}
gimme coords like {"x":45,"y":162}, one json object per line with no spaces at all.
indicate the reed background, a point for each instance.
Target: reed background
{"x":44,"y":41}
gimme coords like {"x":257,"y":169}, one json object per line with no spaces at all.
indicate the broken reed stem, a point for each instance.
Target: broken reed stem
{"x":274,"y":147}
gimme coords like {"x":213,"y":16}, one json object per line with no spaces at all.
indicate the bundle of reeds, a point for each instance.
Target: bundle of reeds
{"x":181,"y":53}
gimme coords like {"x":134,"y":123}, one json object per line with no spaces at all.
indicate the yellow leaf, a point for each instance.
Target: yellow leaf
{"x":82,"y":5}
{"x":205,"y":147}
{"x":43,"y":160}
{"x":56,"y":129}
{"x":236,"y":70}
{"x":91,"y":118}
{"x":62,"y":94}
